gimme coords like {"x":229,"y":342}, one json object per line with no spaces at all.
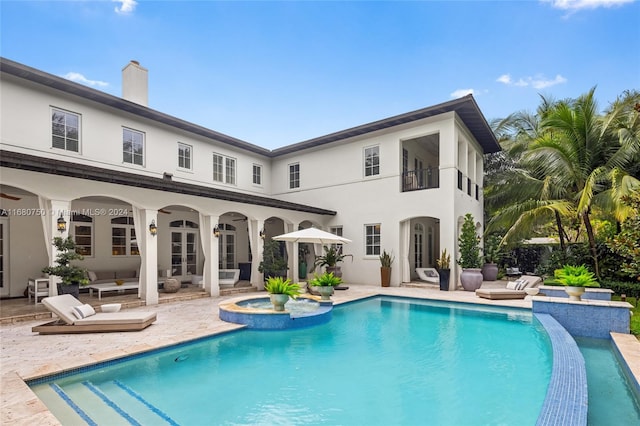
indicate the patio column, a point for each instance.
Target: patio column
{"x":54,"y":209}
{"x":405,"y":249}
{"x":148,"y":247}
{"x":257,"y":248}
{"x":210,"y":274}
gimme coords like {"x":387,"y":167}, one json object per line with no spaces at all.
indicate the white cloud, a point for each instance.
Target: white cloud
{"x":537,"y":82}
{"x":585,"y":4}
{"x":126,"y":6}
{"x":504,"y":78}
{"x":79,"y":78}
{"x":462,"y":92}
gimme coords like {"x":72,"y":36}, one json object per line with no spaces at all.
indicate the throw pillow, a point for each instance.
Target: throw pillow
{"x":92,"y":276}
{"x":83,"y":311}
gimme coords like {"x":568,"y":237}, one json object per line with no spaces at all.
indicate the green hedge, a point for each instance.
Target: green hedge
{"x":631,"y":289}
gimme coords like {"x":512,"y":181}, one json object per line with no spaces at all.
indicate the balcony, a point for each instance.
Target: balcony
{"x":415,"y":180}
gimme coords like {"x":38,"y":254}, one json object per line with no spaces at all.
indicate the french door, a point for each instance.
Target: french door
{"x":184,"y":254}
{"x":4,"y":256}
{"x":227,"y":247}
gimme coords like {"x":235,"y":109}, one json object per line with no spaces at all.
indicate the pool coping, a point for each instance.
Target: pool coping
{"x":21,"y":406}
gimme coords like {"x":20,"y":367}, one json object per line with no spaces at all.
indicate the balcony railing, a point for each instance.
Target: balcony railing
{"x":414,"y":180}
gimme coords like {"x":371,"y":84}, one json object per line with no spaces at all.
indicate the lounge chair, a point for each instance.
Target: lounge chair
{"x":514,"y":289}
{"x":64,"y":305}
{"x":428,"y":274}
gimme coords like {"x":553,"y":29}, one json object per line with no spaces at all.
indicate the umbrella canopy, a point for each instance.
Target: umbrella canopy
{"x":312,"y":235}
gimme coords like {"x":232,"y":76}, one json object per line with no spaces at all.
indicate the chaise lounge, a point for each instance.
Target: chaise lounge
{"x":429,"y":275}
{"x":76,"y":317}
{"x":514,"y":289}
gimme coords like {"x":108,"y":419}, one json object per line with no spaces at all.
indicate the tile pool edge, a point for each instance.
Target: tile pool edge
{"x":567,"y":399}
{"x":627,"y":351}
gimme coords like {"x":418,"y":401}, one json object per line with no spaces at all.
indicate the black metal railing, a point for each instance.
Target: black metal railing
{"x":414,"y":180}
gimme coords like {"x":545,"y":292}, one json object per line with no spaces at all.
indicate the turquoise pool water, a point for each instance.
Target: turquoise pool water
{"x":380,"y":361}
{"x":611,"y":401}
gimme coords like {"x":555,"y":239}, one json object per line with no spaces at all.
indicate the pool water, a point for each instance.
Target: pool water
{"x":611,"y":401}
{"x":297,"y":306}
{"x":381,"y":361}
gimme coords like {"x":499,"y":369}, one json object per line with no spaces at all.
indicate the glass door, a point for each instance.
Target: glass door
{"x":184,"y":254}
{"x":227,"y":247}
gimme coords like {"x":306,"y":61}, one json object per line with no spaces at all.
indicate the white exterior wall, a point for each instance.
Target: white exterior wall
{"x":331,"y":177}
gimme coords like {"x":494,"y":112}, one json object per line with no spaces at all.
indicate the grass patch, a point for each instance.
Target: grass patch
{"x":635,"y":318}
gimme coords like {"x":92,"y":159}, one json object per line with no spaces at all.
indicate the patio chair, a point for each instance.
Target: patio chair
{"x":429,"y":275}
{"x":85,"y":320}
{"x":514,"y":289}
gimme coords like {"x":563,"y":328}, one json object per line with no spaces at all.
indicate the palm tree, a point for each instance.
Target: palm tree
{"x":587,"y":156}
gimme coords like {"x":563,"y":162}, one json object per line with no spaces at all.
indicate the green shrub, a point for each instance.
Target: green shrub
{"x":278,"y":285}
{"x":326,"y":279}
{"x":576,"y":276}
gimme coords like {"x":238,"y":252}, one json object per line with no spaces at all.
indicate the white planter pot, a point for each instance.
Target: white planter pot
{"x":325,"y":292}
{"x":574,"y":293}
{"x":278,"y":301}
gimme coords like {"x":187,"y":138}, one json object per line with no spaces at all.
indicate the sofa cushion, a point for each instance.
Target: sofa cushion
{"x":105,"y":275}
{"x":125,"y":274}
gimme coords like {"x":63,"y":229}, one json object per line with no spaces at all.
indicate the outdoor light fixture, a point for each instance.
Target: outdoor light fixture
{"x":153,"y":229}
{"x":216,"y":231}
{"x":262,"y":234}
{"x":62,"y":224}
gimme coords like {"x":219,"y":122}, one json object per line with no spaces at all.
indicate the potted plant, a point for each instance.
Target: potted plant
{"x":273,"y":262}
{"x":72,"y":276}
{"x":330,"y":259}
{"x":492,"y":253}
{"x":303,"y":251}
{"x":324,"y":284}
{"x":280,"y":290}
{"x":575,"y":279}
{"x":386,"y":260}
{"x":470,"y":259}
{"x":443,"y":264}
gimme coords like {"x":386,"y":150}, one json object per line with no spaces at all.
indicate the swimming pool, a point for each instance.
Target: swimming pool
{"x":379,"y":361}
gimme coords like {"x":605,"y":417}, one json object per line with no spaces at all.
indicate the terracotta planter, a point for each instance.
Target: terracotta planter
{"x":490,"y":272}
{"x":575,"y":293}
{"x":278,"y":301}
{"x":385,"y":276}
{"x":471,"y":279}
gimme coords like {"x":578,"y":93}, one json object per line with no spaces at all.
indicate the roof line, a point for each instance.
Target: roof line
{"x":51,"y":166}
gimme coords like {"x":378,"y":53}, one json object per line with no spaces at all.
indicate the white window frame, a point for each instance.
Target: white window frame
{"x":294,"y":175}
{"x":336,"y":230}
{"x":85,"y":223}
{"x":373,"y":168}
{"x":132,"y":153}
{"x":224,"y":170}
{"x":66,"y":128}
{"x":256,"y":178}
{"x":129,"y":237}
{"x":372,"y":247}
{"x":184,"y":158}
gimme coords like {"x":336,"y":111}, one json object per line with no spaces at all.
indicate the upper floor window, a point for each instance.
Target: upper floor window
{"x":257,"y":174}
{"x":82,"y":229}
{"x":372,"y":239}
{"x":294,"y":175}
{"x":132,"y":147}
{"x":224,"y":169}
{"x":372,"y":161}
{"x":65,"y":130}
{"x":184,"y":156}
{"x":123,"y":237}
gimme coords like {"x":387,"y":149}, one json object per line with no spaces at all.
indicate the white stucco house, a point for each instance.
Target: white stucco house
{"x":111,"y":167}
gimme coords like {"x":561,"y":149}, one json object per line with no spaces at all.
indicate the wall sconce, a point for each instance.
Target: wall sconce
{"x":216,"y":231}
{"x":262,"y":235}
{"x":153,"y":229}
{"x":62,"y":224}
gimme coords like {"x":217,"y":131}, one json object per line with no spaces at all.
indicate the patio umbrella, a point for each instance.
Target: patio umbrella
{"x":312,"y":235}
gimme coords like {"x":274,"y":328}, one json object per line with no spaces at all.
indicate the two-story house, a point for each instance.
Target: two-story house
{"x":140,"y":189}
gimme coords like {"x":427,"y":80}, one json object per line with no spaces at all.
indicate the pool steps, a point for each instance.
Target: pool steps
{"x":111,"y":400}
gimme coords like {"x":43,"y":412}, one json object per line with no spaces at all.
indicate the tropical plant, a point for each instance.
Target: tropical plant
{"x":444,"y":261}
{"x":576,"y":276}
{"x":66,"y":252}
{"x":492,"y":248}
{"x":325,"y":280}
{"x":627,"y":242}
{"x":331,"y":257}
{"x":279,"y":285}
{"x":469,"y":244}
{"x":386,"y":259}
{"x":273,"y":263}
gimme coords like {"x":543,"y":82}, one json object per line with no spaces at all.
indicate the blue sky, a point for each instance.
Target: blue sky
{"x":277,"y":73}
